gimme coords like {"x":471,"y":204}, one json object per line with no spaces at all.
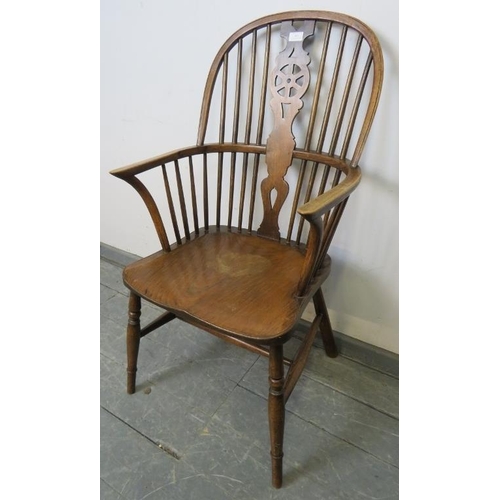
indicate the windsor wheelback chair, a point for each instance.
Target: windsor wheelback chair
{"x":237,"y":263}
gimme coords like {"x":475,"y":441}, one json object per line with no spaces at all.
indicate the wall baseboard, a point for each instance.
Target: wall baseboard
{"x":117,"y":256}
{"x":367,"y":354}
{"x":349,"y":347}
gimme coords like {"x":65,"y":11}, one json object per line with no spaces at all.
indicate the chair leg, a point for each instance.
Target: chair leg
{"x":133,"y":339}
{"x":325,"y":326}
{"x":276,"y":412}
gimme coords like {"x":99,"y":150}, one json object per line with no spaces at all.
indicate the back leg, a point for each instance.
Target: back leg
{"x":133,"y":339}
{"x":325,"y":326}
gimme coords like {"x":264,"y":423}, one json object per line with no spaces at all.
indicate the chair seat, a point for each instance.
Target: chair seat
{"x":237,"y":283}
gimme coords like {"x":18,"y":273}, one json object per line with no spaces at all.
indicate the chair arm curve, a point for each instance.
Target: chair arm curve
{"x":319,"y":237}
{"x":156,"y":161}
{"x":131,"y":173}
{"x":317,"y":207}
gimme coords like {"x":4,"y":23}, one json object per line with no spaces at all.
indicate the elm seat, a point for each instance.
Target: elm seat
{"x":222,"y":280}
{"x":245,"y":217}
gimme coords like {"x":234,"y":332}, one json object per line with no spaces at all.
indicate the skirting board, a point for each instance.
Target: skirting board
{"x":349,"y":347}
{"x":367,"y":354}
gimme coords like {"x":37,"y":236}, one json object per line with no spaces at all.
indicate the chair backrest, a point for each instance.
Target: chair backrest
{"x":347,"y":55}
{"x":286,"y":111}
{"x":296,"y":81}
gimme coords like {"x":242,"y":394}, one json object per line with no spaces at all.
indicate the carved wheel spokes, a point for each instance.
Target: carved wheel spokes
{"x":291,"y":85}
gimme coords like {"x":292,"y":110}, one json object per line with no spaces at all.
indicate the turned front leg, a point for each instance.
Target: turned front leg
{"x":133,"y":339}
{"x":276,"y":412}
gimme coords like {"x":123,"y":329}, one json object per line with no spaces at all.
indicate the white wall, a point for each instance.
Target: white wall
{"x":155,"y":57}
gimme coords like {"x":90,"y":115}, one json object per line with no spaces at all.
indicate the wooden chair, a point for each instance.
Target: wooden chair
{"x":243,"y":250}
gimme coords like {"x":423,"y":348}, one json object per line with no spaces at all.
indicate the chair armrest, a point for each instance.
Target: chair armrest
{"x":320,"y":237}
{"x":317,"y":207}
{"x":166,"y":161}
{"x":156,"y":161}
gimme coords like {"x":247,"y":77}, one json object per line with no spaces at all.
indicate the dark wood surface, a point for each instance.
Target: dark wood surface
{"x":289,"y":82}
{"x":239,"y":283}
{"x":228,"y":262}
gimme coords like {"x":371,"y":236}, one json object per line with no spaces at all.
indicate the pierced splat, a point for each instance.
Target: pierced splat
{"x":288,"y":83}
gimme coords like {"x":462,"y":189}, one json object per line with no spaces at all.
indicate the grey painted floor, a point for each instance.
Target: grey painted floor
{"x":197,"y":426}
